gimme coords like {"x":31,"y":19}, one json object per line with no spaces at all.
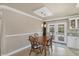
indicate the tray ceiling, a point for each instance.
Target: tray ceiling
{"x":55,"y":9}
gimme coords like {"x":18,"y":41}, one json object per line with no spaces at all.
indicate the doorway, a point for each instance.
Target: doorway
{"x":58,"y":31}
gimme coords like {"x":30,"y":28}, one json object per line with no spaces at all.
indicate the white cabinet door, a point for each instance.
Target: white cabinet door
{"x":78,"y":23}
{"x":74,"y":23}
{"x":71,"y":42}
{"x":77,"y":43}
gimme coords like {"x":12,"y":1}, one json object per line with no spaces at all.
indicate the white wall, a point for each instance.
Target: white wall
{"x":17,"y":29}
{"x":17,"y":23}
{"x":0,"y":28}
{"x":0,"y":36}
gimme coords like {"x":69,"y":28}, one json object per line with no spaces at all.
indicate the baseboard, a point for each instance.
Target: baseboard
{"x":18,"y":50}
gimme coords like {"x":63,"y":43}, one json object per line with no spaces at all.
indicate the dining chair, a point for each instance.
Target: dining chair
{"x":49,"y":44}
{"x":36,"y":35}
{"x":34,"y":45}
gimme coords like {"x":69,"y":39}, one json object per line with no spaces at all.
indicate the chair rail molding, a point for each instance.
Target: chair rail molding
{"x":22,"y":48}
{"x":22,"y":34}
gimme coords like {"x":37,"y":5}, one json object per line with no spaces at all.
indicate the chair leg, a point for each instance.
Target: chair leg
{"x":40,"y":50}
{"x":48,"y":50}
{"x":30,"y":52}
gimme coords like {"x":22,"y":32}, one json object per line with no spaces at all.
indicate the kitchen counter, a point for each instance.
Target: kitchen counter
{"x":73,"y":34}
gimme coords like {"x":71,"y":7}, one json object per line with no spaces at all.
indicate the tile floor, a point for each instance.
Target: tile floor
{"x":58,"y":50}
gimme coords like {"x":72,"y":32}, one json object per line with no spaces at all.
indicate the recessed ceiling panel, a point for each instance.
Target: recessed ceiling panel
{"x":43,"y":12}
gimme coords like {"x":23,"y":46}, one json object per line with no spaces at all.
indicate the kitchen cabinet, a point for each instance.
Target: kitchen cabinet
{"x":74,"y":23}
{"x":77,"y":44}
{"x":78,"y":23}
{"x":73,"y":42}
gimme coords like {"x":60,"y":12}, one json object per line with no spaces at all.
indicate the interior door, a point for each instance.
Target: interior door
{"x":61,"y":32}
{"x":52,"y":31}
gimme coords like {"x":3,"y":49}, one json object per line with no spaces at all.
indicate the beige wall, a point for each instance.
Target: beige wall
{"x":16,"y":23}
{"x":0,"y":28}
{"x":0,"y":36}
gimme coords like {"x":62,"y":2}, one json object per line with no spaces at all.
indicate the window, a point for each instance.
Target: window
{"x":77,"y":23}
{"x":61,"y":29}
{"x":73,"y":23}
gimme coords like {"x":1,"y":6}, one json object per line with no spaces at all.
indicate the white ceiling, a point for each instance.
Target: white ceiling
{"x":57,"y":9}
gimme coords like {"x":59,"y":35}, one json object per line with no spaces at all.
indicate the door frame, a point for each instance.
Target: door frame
{"x":56,"y":35}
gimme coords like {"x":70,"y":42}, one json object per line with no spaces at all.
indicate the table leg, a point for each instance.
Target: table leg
{"x":45,"y":51}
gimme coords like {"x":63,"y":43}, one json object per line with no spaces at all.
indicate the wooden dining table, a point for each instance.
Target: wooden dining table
{"x":44,"y":41}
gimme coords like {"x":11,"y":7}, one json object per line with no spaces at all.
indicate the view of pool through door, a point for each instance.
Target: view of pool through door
{"x":58,"y":31}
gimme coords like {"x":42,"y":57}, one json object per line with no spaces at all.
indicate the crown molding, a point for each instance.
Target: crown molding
{"x":20,"y":12}
{"x":66,"y":17}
